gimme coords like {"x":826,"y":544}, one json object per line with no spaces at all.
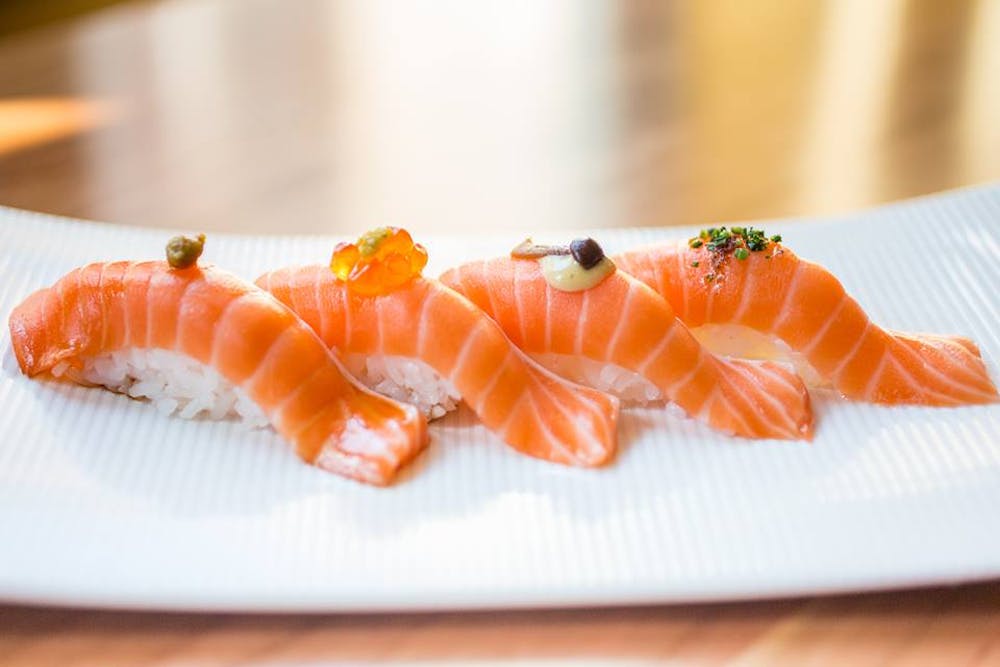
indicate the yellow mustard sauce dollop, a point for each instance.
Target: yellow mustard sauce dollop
{"x":563,"y":272}
{"x":579,"y":266}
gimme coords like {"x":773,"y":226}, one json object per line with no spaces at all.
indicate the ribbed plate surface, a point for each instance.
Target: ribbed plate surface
{"x":105,"y":502}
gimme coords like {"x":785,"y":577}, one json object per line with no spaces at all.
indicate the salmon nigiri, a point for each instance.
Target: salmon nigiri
{"x":419,"y":341}
{"x":570,"y":309}
{"x":199,"y":339}
{"x":751,"y":289}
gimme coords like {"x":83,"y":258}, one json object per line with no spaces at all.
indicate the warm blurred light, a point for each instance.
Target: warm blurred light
{"x":519,"y":660}
{"x":431,"y":88}
{"x":318,"y":116}
{"x":746,"y":71}
{"x":31,"y":121}
{"x":187,"y":84}
{"x":980,"y":119}
{"x":851,"y":104}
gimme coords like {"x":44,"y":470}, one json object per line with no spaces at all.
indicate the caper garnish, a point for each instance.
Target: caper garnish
{"x":586,"y":252}
{"x":184,"y":251}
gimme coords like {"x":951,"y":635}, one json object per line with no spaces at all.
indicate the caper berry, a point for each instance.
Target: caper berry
{"x":184,"y":251}
{"x":586,"y":252}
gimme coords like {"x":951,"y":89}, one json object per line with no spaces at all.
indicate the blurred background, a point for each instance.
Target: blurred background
{"x":334,"y":116}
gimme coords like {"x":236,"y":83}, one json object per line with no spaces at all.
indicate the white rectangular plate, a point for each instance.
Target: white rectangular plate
{"x":104,"y":502}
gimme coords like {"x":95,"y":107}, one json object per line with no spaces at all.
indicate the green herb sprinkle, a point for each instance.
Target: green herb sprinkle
{"x":740,"y":241}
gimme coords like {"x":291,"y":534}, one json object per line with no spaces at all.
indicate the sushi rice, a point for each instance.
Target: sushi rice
{"x":172,"y":382}
{"x":609,"y":378}
{"x":405,"y":379}
{"x":415,"y":382}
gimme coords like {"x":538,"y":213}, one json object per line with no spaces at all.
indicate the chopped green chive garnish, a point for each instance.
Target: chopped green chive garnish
{"x":740,"y":241}
{"x":710,"y":277}
{"x":695,"y":264}
{"x":755,"y":239}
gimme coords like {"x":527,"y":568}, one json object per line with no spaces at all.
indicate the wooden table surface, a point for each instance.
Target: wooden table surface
{"x":269,"y":116}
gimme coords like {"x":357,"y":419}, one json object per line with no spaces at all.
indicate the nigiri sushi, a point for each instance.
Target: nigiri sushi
{"x":574,"y":312}
{"x":419,"y":341}
{"x":745,"y":290}
{"x":200,"y":340}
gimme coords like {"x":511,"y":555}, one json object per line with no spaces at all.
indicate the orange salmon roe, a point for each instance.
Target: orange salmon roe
{"x":382,"y":260}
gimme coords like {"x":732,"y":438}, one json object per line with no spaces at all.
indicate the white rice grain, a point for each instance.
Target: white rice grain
{"x":609,"y":378}
{"x":172,"y":382}
{"x":408,"y":380}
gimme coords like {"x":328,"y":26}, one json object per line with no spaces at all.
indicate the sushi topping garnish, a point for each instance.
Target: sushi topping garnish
{"x":184,"y":251}
{"x":528,"y":249}
{"x":371,"y":241}
{"x":720,"y":239}
{"x":738,"y":242}
{"x":573,"y":268}
{"x":383,"y":260}
{"x":585,"y":252}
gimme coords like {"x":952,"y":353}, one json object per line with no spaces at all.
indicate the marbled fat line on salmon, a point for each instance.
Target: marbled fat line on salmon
{"x":804,"y":305}
{"x":251,"y":339}
{"x":528,"y":407}
{"x":623,"y":322}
